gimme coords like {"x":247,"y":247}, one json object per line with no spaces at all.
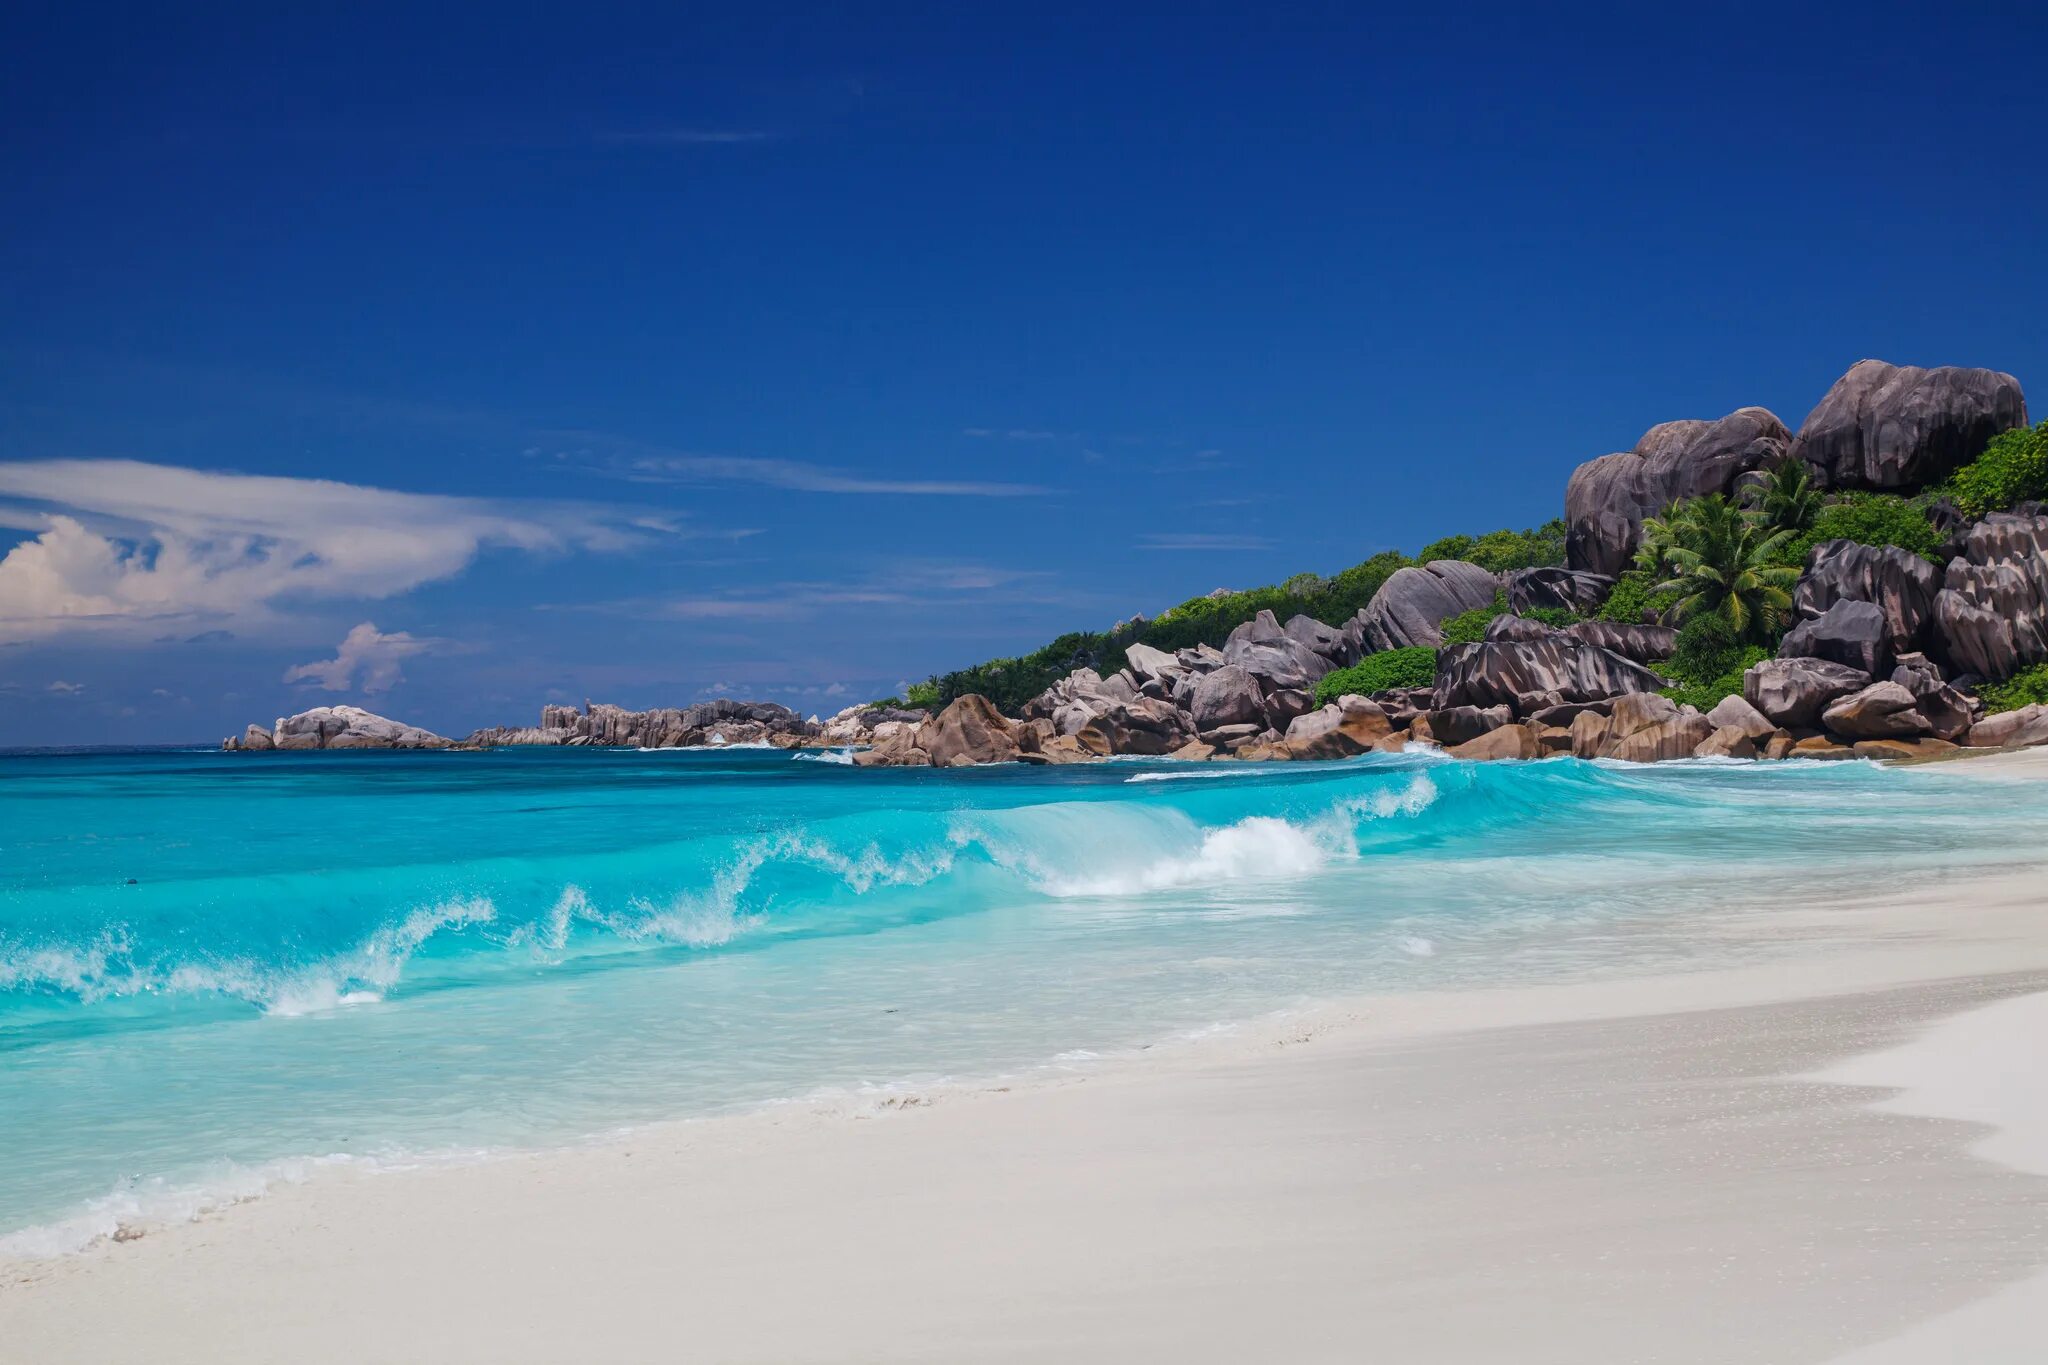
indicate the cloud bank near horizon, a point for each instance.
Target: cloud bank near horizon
{"x":123,"y":547}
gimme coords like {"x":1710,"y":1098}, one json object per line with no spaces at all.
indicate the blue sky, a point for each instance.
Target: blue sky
{"x":667,"y":351}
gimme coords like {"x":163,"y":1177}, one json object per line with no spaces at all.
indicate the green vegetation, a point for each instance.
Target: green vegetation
{"x":2012,"y":469}
{"x":1723,"y":562}
{"x":922,"y":695}
{"x":1469,"y":627}
{"x":1635,"y":592}
{"x":1868,"y":519}
{"x":1787,"y":499}
{"x":1414,"y":667}
{"x":2024,"y":688}
{"x":1501,"y":551}
{"x":1708,"y":663}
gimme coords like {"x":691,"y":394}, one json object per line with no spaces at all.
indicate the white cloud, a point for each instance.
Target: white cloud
{"x":124,"y":544}
{"x":364,"y":650}
{"x":63,"y":688}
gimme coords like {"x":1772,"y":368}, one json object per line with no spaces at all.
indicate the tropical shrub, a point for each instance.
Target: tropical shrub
{"x":1414,"y":667}
{"x":921,"y":696}
{"x":1868,"y":519}
{"x":1708,"y":662}
{"x":2024,"y":688}
{"x":2012,"y":469}
{"x":1635,"y":592}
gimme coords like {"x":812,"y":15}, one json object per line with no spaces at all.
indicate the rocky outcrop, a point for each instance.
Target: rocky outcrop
{"x":1727,"y":741}
{"x":717,"y":722}
{"x":1454,"y":725}
{"x":1643,"y":644}
{"x":1899,"y":426}
{"x":1882,"y":710}
{"x":1991,"y":615}
{"x":337,"y":727}
{"x":1348,"y":726}
{"x":1118,"y":714}
{"x":1412,"y":605}
{"x":1793,"y":692}
{"x":895,"y":746}
{"x":1501,"y":672}
{"x":1851,"y":633}
{"x":1947,"y":710}
{"x":1227,"y":696}
{"x":1899,"y":583}
{"x":1676,"y":736}
{"x":1608,"y":499}
{"x":2011,"y":729}
{"x":972,"y":731}
{"x":1263,"y":648}
{"x":1510,"y":742}
{"x":1556,"y":589}
{"x":856,"y":724}
{"x":1734,"y":713}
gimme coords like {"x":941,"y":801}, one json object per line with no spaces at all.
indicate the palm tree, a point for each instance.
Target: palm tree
{"x":1659,"y":536}
{"x":1723,"y":562}
{"x":1787,"y":498}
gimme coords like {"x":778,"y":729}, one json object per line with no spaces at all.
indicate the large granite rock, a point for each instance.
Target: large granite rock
{"x":1991,"y":615}
{"x":1502,"y":672}
{"x":1899,"y":583}
{"x":1849,"y":632}
{"x":972,"y":731}
{"x":341,"y":727}
{"x":1265,"y":649}
{"x":1227,"y":696}
{"x":1948,"y":711}
{"x":1883,"y":710}
{"x":1607,"y":499}
{"x":1793,"y":692}
{"x":1455,"y":725}
{"x":1734,"y":713}
{"x":1505,"y":742}
{"x":1557,"y":589}
{"x":1644,"y":644}
{"x":1350,"y":725}
{"x":1899,"y":426}
{"x":1414,"y":602}
{"x":895,"y":746}
{"x":2011,"y":729}
{"x":1676,"y":736}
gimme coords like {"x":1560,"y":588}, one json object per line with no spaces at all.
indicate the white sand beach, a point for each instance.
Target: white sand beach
{"x":1838,"y":1153}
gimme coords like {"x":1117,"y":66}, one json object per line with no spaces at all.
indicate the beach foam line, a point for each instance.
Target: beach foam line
{"x":1987,"y":1066}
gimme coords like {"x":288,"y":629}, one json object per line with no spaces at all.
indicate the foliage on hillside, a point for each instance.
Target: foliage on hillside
{"x":1414,"y":667}
{"x":2024,"y":688}
{"x":1879,"y":519}
{"x":2012,"y":469}
{"x":1708,"y":663}
{"x":1009,"y":683}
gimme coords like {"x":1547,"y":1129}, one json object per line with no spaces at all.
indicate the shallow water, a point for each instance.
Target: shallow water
{"x":390,"y":954}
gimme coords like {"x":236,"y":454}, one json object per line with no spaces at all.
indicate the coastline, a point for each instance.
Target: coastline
{"x":1291,"y":1189}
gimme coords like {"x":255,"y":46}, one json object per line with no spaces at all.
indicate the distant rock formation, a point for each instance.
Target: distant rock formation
{"x":717,"y":722}
{"x":336,"y":727}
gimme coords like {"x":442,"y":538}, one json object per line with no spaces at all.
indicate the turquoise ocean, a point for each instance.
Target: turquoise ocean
{"x":218,"y":970}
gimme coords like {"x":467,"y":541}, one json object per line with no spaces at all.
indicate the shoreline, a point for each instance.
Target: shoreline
{"x":1083,"y":1196}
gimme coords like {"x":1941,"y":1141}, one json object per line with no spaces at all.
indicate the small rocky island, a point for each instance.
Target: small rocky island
{"x":1875,"y":649}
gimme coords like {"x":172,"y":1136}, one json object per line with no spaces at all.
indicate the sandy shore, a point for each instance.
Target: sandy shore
{"x":1801,"y":1161}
